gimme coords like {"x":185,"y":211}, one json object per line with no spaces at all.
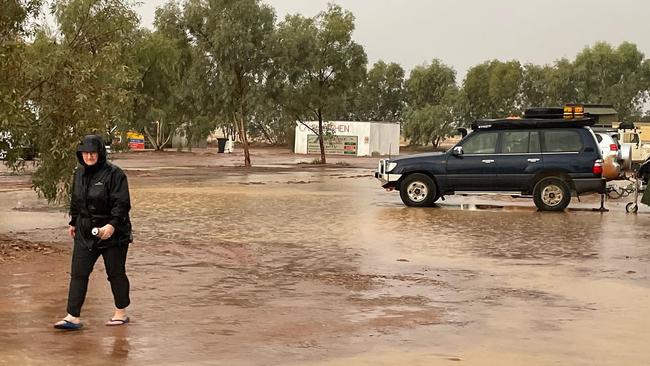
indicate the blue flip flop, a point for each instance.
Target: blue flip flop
{"x":68,"y":325}
{"x":119,"y":322}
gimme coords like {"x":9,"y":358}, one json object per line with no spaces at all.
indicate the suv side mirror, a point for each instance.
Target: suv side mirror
{"x":457,"y":151}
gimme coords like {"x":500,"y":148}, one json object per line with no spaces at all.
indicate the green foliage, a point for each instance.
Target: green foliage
{"x":620,"y":76}
{"x":433,"y":104}
{"x":600,"y":74}
{"x":429,"y":124}
{"x":430,"y":84}
{"x":236,"y":34}
{"x":492,"y":89}
{"x":16,"y":24}
{"x":156,"y":60}
{"x":381,"y":94}
{"x":319,"y":63}
{"x":75,"y":83}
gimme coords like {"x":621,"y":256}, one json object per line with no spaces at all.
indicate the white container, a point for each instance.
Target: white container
{"x":350,"y":138}
{"x":230,"y":147}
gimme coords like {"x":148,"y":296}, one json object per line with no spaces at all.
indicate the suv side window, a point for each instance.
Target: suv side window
{"x":515,"y":142}
{"x":562,"y":140}
{"x":481,"y":143}
{"x":520,"y":142}
{"x":534,"y":146}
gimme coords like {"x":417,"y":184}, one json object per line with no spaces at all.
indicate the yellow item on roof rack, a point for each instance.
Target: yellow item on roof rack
{"x":574,"y":111}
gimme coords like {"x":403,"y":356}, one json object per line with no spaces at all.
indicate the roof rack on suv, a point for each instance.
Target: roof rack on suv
{"x":569,"y":111}
{"x":544,"y":112}
{"x":505,"y":124}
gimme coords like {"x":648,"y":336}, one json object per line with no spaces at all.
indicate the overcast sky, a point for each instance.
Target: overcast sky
{"x":463,"y":33}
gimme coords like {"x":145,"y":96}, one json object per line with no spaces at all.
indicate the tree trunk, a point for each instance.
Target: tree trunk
{"x":160,"y":146}
{"x":188,"y":138}
{"x":242,"y":134}
{"x":151,"y":139}
{"x":157,"y":141}
{"x":242,"y":117}
{"x":320,"y":137}
{"x":247,"y":155}
{"x":267,"y":135}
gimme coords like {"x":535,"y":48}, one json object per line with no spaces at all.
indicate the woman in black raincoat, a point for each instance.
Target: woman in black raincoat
{"x":100,"y":226}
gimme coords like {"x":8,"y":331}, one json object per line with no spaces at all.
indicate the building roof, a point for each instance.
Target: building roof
{"x":601,"y":111}
{"x":596,"y":109}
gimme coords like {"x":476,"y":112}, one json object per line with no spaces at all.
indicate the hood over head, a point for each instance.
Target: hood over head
{"x":92,"y":143}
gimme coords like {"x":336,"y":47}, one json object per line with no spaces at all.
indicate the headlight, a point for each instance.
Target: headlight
{"x":390,"y":166}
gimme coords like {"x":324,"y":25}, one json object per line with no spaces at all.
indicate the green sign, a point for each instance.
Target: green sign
{"x":334,"y":145}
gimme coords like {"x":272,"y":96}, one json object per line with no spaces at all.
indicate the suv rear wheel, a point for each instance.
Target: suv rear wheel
{"x":418,"y":190}
{"x":551,"y":194}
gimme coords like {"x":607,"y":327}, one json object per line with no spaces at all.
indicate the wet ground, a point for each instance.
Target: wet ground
{"x":289,"y":264}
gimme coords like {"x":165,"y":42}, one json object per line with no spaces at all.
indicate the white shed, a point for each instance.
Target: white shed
{"x":350,"y":138}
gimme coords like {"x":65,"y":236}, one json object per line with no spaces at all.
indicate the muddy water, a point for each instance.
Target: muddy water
{"x":322,"y":267}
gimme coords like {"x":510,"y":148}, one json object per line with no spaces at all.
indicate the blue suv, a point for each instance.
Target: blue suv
{"x":546,"y":158}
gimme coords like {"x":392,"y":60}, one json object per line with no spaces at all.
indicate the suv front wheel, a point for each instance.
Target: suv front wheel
{"x":551,"y":194}
{"x":418,"y":190}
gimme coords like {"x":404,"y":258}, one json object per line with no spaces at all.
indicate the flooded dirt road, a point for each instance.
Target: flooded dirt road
{"x":319,"y":266}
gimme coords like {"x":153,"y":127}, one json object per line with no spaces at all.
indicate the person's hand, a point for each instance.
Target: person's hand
{"x":106,"y":231}
{"x":72,"y":231}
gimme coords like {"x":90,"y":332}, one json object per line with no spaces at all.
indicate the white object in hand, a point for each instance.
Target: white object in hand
{"x":95,"y":231}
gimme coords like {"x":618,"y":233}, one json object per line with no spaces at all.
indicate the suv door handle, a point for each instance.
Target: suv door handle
{"x":533,"y":160}
{"x":488,"y":161}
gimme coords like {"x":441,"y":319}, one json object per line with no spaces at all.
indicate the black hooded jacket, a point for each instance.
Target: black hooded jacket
{"x":100,"y":196}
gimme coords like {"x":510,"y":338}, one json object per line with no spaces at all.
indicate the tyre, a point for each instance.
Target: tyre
{"x":631,"y":207}
{"x":418,"y":190}
{"x":551,"y":194}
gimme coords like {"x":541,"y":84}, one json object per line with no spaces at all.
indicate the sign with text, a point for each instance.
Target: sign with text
{"x":135,"y":140}
{"x":334,"y":145}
